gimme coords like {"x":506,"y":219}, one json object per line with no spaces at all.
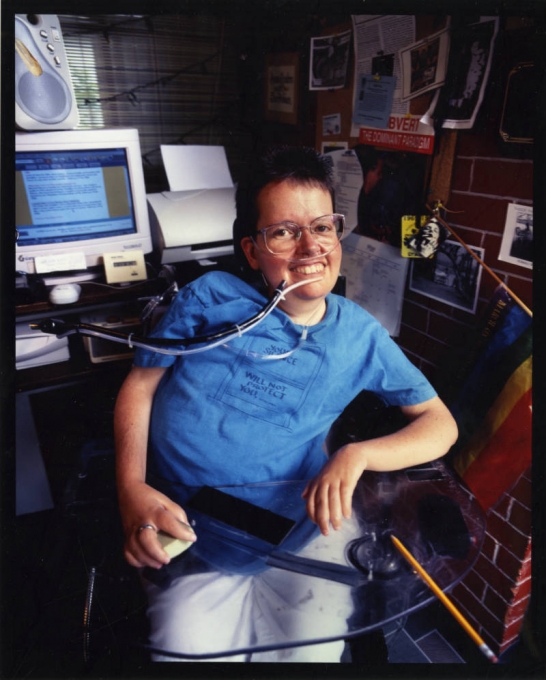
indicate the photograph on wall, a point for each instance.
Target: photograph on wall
{"x":329,"y":61}
{"x":452,"y":276}
{"x":424,"y":65}
{"x":393,"y":185}
{"x":469,"y":65}
{"x":517,"y":240}
{"x":331,"y":124}
{"x":281,"y":90}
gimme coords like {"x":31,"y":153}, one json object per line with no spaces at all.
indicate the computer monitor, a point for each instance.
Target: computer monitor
{"x":79,"y":194}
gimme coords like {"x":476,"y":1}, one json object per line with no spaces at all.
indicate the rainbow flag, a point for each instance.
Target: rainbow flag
{"x":494,"y":406}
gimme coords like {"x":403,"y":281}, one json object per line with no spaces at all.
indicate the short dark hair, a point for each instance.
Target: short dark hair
{"x":301,"y":165}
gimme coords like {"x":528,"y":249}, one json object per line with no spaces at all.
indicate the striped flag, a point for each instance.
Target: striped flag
{"x":494,"y":406}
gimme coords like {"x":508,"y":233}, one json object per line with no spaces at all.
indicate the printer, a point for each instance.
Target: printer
{"x":194,"y":219}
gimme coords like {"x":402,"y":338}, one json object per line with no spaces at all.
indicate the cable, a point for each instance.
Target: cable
{"x":169,"y":345}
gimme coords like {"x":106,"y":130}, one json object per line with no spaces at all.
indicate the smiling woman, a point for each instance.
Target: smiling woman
{"x":234,"y":419}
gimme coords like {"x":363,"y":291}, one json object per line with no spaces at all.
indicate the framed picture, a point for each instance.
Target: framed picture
{"x":453,"y":276}
{"x":281,"y":87}
{"x":424,"y":65}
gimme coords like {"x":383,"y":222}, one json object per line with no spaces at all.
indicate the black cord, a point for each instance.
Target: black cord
{"x":61,"y":328}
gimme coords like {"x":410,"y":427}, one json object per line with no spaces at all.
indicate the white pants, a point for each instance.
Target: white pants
{"x":212,"y":611}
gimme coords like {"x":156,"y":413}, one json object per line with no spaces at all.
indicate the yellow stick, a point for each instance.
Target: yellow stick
{"x":487,"y":269}
{"x":445,"y":600}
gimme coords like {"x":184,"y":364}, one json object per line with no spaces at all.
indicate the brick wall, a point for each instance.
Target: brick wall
{"x":495,"y":594}
{"x":483,"y":185}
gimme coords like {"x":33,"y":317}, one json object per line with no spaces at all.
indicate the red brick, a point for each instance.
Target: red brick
{"x":418,"y":343}
{"x":465,"y":600}
{"x":448,"y":331}
{"x":489,"y":547}
{"x":522,"y":490}
{"x":506,"y":534}
{"x":526,"y":570}
{"x":503,"y":178}
{"x":523,"y":589}
{"x":503,"y":506}
{"x":521,"y":518}
{"x":517,"y":610}
{"x":508,"y":563}
{"x":475,"y":583}
{"x":513,"y":629}
{"x":415,"y":315}
{"x":460,"y":178}
{"x":471,"y":143}
{"x":477,"y":212}
{"x":495,"y":578}
{"x":485,"y":619}
{"x":496,"y":604}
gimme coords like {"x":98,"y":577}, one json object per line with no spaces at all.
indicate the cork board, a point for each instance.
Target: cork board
{"x":341,"y":102}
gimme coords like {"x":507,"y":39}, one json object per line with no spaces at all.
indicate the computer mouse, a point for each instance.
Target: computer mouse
{"x":64,"y":293}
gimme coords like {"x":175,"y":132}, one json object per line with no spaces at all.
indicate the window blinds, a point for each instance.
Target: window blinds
{"x":173,"y":77}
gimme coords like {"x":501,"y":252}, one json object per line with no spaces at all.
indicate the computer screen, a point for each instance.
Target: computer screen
{"x":78,"y":193}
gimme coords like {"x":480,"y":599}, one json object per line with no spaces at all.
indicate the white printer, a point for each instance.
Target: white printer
{"x":194,"y":220}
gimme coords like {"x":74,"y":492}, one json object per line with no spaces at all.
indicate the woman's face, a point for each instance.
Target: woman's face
{"x":288,"y":201}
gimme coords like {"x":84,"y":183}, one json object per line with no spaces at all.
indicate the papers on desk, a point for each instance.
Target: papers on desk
{"x":375,"y":278}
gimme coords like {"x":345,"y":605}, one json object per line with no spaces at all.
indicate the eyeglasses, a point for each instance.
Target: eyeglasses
{"x":282,"y":238}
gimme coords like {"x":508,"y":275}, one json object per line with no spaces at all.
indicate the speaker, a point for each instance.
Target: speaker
{"x":44,"y":96}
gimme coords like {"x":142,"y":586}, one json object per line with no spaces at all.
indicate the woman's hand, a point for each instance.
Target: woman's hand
{"x":140,"y":505}
{"x":329,"y":495}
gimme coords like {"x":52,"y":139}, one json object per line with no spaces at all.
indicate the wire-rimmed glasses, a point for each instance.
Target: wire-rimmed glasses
{"x":282,"y":238}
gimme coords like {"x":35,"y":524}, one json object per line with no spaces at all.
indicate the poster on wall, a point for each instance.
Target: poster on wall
{"x":329,"y":61}
{"x":281,"y":91}
{"x":517,"y":240}
{"x":453,"y":276}
{"x":377,"y":44}
{"x":471,"y":54}
{"x":424,"y":65}
{"x":392,"y":185}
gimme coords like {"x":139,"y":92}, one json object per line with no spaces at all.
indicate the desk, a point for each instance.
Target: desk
{"x":426,"y":507}
{"x":62,"y":381}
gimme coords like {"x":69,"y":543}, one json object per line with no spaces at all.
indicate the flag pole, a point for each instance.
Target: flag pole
{"x":435,"y":212}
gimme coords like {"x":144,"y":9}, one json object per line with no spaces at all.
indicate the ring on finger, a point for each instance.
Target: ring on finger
{"x":146,"y":526}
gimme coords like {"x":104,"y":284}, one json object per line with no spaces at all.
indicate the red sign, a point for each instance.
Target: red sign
{"x":404,"y":133}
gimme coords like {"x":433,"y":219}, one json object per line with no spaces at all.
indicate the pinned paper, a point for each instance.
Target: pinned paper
{"x":196,"y":167}
{"x":374,"y":100}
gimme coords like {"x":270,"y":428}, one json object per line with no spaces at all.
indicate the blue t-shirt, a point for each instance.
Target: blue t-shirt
{"x":227,"y":417}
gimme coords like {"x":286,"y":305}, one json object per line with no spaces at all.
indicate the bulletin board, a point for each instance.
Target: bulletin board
{"x":340,"y":101}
